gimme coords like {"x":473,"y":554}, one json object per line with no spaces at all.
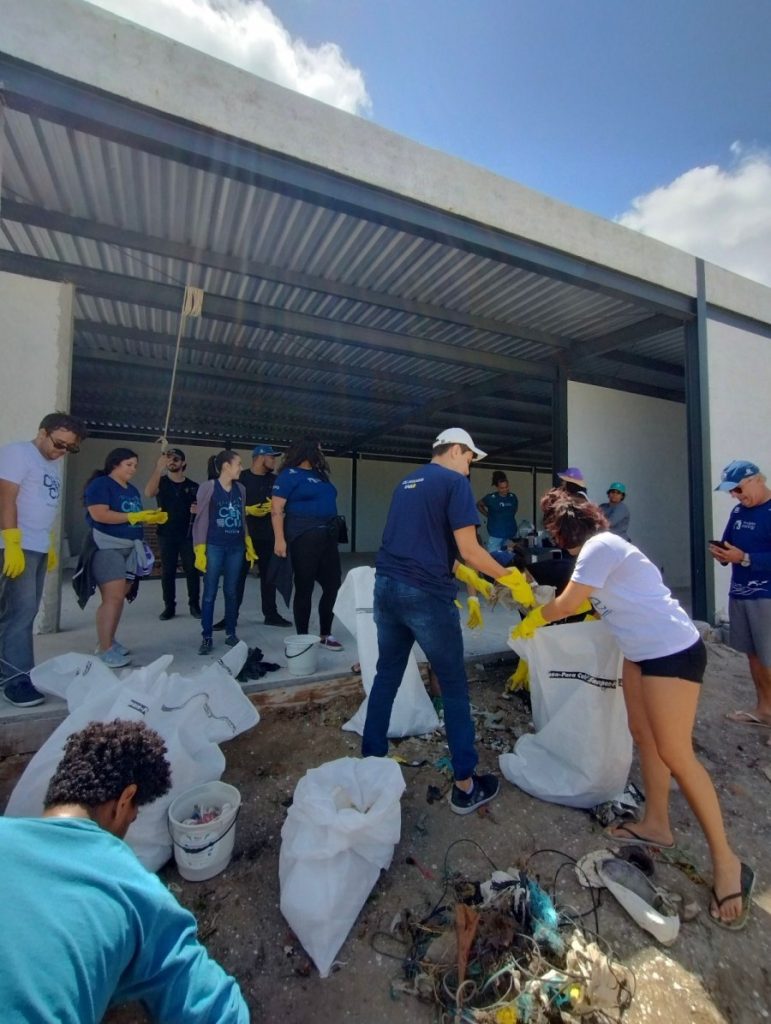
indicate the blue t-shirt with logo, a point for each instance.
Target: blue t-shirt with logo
{"x":106,"y":491}
{"x":307,"y":493}
{"x":418,"y":545}
{"x":226,"y":517}
{"x":750,"y":530}
{"x":501,"y":514}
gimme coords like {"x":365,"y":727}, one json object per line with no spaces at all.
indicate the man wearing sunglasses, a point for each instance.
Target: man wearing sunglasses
{"x":746,"y":545}
{"x":30,"y":492}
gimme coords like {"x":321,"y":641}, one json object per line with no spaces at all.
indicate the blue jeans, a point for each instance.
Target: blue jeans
{"x":225,"y":562}
{"x":19,"y":603}
{"x":404,"y":615}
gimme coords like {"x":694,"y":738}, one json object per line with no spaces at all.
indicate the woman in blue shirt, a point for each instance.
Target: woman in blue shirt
{"x":115,"y":515}
{"x":304,"y":518}
{"x":221,"y":543}
{"x":499,"y":508}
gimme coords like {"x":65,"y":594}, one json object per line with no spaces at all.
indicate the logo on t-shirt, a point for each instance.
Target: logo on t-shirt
{"x":229,"y":516}
{"x":132,"y":504}
{"x":51,"y":483}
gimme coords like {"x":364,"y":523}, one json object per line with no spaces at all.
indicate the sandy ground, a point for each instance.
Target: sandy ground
{"x":709,"y":975}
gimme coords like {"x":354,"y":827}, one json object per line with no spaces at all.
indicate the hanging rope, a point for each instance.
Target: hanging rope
{"x":192,"y":304}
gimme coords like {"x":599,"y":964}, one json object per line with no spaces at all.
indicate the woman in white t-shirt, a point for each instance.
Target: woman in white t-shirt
{"x":664,"y":662}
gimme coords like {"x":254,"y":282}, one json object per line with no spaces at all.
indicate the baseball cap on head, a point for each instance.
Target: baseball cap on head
{"x":264,"y":449}
{"x":616,"y":486}
{"x":457,"y":435}
{"x":574,"y":475}
{"x":735,"y":472}
{"x":177,"y":452}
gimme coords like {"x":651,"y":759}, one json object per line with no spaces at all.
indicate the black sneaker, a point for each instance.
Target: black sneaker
{"x":484,"y":790}
{"x":232,"y":640}
{"x":276,"y":620}
{"x":22,"y":694}
{"x":166,"y":614}
{"x":195,"y":611}
{"x":219,"y":626}
{"x":206,"y":645}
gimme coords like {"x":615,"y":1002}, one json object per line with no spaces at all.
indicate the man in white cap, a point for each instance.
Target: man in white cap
{"x":432,"y":522}
{"x":746,"y":545}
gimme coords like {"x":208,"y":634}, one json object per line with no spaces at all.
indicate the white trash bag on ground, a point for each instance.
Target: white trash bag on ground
{"x":412,"y":713}
{"x":581,"y":752}
{"x":339,"y":834}
{"x":192,"y":714}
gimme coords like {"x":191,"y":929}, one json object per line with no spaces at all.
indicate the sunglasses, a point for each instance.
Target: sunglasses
{"x":62,"y":446}
{"x":737,"y":490}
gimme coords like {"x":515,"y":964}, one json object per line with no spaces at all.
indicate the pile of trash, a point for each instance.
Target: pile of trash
{"x":255,"y":667}
{"x":203,"y":815}
{"x":500,"y":953}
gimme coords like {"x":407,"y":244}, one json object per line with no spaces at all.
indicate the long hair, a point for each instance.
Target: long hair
{"x":307,"y":449}
{"x":216,"y":462}
{"x":571,"y":519}
{"x":114,"y":458}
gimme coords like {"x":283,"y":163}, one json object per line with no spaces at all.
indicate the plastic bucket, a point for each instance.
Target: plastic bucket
{"x":202,"y":851}
{"x":301,"y":653}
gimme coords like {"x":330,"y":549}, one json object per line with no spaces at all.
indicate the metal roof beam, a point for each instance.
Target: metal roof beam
{"x":640,"y":331}
{"x":647,"y":363}
{"x":631,"y":386}
{"x":64,"y":101}
{"x":25,"y":213}
{"x":219,"y":307}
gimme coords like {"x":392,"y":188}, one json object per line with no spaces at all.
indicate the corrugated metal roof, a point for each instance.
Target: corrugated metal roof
{"x":324,"y":321}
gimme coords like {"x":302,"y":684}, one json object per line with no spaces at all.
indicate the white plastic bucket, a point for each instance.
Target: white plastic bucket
{"x":202,"y":851}
{"x":301,"y":653}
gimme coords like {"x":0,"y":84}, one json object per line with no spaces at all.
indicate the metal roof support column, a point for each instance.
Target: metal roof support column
{"x":697,"y":418}
{"x":354,"y":497}
{"x":534,"y":485}
{"x":559,"y":419}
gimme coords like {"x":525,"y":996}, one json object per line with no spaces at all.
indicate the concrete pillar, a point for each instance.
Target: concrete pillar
{"x":37,"y":373}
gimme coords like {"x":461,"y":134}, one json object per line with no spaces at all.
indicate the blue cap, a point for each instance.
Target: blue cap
{"x":734,"y":473}
{"x":264,"y":449}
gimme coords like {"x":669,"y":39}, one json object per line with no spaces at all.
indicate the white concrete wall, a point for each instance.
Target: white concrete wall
{"x":36,"y":325}
{"x":613,"y":435}
{"x":94,"y":452}
{"x":738,"y":374}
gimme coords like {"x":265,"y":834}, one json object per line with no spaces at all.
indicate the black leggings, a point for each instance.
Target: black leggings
{"x":315,"y":558}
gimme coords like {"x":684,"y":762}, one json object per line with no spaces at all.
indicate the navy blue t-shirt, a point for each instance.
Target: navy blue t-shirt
{"x":750,"y":530}
{"x":307,"y":493}
{"x":226,"y":517}
{"x":105,"y":491}
{"x":418,"y":545}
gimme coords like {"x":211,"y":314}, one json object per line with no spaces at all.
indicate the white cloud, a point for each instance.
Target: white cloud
{"x":247,"y":33}
{"x":720,"y":214}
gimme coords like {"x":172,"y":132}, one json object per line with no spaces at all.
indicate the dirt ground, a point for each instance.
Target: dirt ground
{"x":709,"y":975}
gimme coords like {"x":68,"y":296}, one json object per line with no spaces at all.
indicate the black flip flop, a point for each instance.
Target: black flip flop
{"x":748,"y":884}
{"x":635,"y":839}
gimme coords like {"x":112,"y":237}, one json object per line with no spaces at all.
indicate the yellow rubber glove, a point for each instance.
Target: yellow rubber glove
{"x":467,"y":575}
{"x":585,"y":608}
{"x":520,"y":589}
{"x":200,"y":557}
{"x":53,"y":558}
{"x":260,"y":509}
{"x":13,"y":556}
{"x":458,"y":605}
{"x":251,"y":554}
{"x":474,"y":620}
{"x":520,"y":679}
{"x":150,"y":516}
{"x":527,"y":627}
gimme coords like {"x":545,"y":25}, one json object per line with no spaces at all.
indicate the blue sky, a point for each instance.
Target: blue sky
{"x":655,"y":113}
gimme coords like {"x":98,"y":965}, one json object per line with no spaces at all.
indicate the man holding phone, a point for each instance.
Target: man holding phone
{"x":746,"y":546}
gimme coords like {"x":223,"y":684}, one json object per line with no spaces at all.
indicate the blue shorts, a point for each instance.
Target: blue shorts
{"x":688,"y":664}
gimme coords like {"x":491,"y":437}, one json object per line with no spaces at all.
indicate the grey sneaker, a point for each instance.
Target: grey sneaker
{"x":484,"y":789}
{"x":113,"y":658}
{"x":22,"y":694}
{"x":232,"y":640}
{"x":117,"y":647}
{"x":206,"y":646}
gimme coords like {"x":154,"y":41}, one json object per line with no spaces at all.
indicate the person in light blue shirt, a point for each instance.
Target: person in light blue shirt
{"x":86,"y":926}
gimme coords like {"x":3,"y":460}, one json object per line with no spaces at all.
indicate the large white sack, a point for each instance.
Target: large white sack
{"x":581,"y":752}
{"x":192,"y":714}
{"x":412,"y":713}
{"x":339,"y":834}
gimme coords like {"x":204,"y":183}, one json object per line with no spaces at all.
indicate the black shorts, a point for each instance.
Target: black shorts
{"x":688,"y":664}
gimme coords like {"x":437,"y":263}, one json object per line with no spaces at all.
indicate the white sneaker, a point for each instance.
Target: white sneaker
{"x":116,"y":646}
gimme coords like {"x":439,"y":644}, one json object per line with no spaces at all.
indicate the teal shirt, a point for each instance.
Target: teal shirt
{"x":86,"y":926}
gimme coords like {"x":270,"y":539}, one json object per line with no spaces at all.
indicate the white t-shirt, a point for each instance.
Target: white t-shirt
{"x":40,"y":488}
{"x":632,"y":599}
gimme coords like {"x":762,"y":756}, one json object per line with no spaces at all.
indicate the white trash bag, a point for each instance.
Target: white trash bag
{"x":581,"y":752}
{"x":412,"y":713}
{"x":339,"y":834}
{"x":192,"y":714}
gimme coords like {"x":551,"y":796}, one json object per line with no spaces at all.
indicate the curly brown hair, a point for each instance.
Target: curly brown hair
{"x":570,"y":518}
{"x":307,"y":449}
{"x":100,"y":761}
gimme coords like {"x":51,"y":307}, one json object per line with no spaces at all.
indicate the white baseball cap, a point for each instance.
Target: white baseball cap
{"x":457,"y":435}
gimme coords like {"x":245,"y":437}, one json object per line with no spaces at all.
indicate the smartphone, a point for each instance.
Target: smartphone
{"x":717,"y":543}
